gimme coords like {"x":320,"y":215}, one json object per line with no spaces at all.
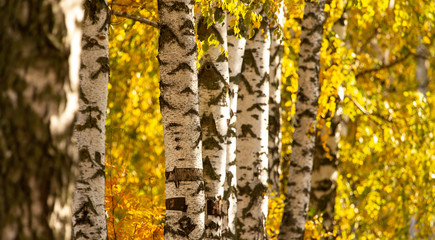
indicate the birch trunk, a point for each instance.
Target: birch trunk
{"x":214,"y":113}
{"x":325,"y":163}
{"x":236,"y":49}
{"x":421,"y":70}
{"x":252,"y":138}
{"x":299,"y":184}
{"x":324,"y":174}
{"x":89,"y":218}
{"x":185,"y":202}
{"x":39,"y":99}
{"x":275,"y":121}
{"x":422,"y":78}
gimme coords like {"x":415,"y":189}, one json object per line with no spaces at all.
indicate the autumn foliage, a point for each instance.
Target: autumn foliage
{"x":386,"y":172}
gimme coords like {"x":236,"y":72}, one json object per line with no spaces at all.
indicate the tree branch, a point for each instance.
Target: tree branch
{"x":365,"y":112}
{"x":342,"y":14}
{"x":135,"y":18}
{"x":366,"y":42}
{"x":384,"y":66}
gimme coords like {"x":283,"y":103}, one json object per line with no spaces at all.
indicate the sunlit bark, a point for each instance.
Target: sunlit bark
{"x":252,"y":137}
{"x":214,"y":111}
{"x":236,"y":49}
{"x":185,"y":202}
{"x":89,"y":218}
{"x":304,"y":122}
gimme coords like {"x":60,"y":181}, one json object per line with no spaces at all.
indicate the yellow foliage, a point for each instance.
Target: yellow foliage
{"x":134,"y":151}
{"x":387,"y":157}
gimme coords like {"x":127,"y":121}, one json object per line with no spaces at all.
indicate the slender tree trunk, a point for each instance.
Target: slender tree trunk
{"x":275,"y":121}
{"x":299,"y":184}
{"x":421,"y":70}
{"x":423,"y":80}
{"x":89,"y":218}
{"x":185,"y":202}
{"x":215,"y":114}
{"x":39,"y":99}
{"x":252,"y":137}
{"x":324,"y":174}
{"x":236,"y":49}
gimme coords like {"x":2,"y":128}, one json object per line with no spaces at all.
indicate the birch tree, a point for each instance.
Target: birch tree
{"x":236,"y":49}
{"x":299,"y":184}
{"x":324,"y":173}
{"x":185,"y":202}
{"x":89,"y":218}
{"x":252,"y":137}
{"x":421,"y":75}
{"x":325,"y":162}
{"x":214,"y":113}
{"x":421,"y":69}
{"x":39,"y":99}
{"x":275,"y":121}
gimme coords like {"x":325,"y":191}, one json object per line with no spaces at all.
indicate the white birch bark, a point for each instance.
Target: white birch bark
{"x":236,"y":49}
{"x":185,"y":202}
{"x":275,"y":121}
{"x":299,"y":184}
{"x":213,"y":80}
{"x":39,"y":99}
{"x":89,"y":218}
{"x":252,"y":138}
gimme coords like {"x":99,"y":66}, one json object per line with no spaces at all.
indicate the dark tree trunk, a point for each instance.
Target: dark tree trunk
{"x":39,"y":100}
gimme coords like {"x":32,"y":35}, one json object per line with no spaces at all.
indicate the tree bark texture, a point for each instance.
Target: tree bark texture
{"x":236,"y":49}
{"x":89,"y":218}
{"x":299,"y":184}
{"x":213,"y":80}
{"x":39,"y":65}
{"x":185,"y":200}
{"x":252,"y":137}
{"x":275,"y":121}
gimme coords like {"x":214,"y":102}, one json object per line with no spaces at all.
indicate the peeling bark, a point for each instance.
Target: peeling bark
{"x":252,"y":137}
{"x":39,"y":99}
{"x":215,"y":113}
{"x":180,"y":118}
{"x":299,"y":184}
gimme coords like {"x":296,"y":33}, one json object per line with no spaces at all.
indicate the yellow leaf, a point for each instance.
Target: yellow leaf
{"x":426,"y":40}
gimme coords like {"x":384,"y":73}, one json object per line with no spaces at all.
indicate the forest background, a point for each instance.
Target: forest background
{"x":386,"y":171}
